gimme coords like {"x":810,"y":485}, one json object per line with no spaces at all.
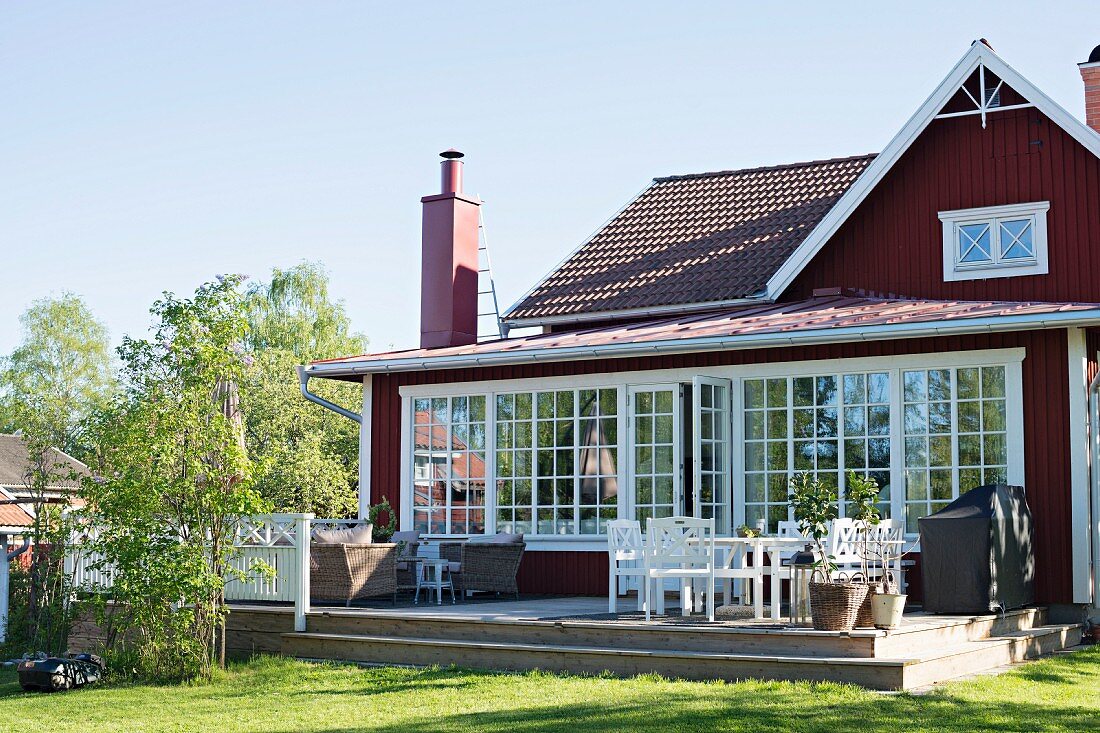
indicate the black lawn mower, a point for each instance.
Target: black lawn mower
{"x":56,"y":674}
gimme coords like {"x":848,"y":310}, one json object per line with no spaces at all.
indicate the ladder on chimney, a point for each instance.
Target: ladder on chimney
{"x":489,"y":326}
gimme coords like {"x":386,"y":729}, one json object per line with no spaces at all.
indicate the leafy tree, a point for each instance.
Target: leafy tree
{"x":294,"y":312}
{"x":305,"y":458}
{"x":41,"y":610}
{"x":59,"y":375}
{"x":177,"y":478}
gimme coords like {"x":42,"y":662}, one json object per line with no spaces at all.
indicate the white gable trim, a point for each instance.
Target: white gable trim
{"x":978,"y":54}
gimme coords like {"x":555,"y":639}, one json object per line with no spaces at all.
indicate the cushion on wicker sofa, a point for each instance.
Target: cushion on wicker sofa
{"x":360,"y":535}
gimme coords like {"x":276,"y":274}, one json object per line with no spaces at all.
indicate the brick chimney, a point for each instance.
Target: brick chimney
{"x":448,"y":279}
{"x":1090,"y":74}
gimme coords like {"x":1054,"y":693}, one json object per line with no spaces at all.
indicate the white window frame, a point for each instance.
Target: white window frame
{"x":1011,"y":358}
{"x":992,"y":216}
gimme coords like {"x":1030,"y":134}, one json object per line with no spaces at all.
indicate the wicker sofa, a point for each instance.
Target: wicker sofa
{"x":487,"y":564}
{"x":346,"y":572}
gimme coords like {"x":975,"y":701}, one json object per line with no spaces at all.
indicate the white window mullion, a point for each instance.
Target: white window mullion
{"x":842,"y":465}
{"x":626,"y":456}
{"x":897,"y":447}
{"x":490,"y":463}
{"x":954,"y":439}
{"x":737,"y":452}
{"x":790,"y":439}
{"x":578,"y":441}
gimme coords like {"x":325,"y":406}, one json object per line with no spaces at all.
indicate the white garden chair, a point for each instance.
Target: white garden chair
{"x":843,"y":546}
{"x":888,"y":537}
{"x":683,"y":548}
{"x":625,"y":559}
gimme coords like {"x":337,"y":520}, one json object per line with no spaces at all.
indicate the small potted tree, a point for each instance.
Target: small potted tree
{"x":834,"y":603}
{"x":861,"y":493}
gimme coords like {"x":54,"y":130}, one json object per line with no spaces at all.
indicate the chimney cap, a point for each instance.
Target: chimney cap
{"x":451,"y":154}
{"x":1094,"y":57}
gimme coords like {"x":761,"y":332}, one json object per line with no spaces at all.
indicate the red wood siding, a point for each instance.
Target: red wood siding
{"x":892,"y":243}
{"x":1045,"y":384}
{"x":564,"y":573}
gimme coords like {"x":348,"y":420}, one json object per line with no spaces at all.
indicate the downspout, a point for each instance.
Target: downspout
{"x":4,"y":571}
{"x":303,"y":382}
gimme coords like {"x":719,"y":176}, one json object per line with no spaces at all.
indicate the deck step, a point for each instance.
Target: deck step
{"x":877,"y":673}
{"x":919,"y":633}
{"x":972,"y":657}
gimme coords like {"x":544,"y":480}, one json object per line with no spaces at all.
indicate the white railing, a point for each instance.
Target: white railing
{"x":271,"y":562}
{"x":85,"y":567}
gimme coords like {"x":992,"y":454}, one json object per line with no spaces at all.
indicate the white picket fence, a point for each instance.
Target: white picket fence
{"x":271,"y":563}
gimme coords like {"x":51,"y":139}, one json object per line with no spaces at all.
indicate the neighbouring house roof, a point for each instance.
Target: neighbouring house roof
{"x":713,"y":239}
{"x":12,"y":515}
{"x":707,"y":238}
{"x":832,"y":318}
{"x":15,"y":464}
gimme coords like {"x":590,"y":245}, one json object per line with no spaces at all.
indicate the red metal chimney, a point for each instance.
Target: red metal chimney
{"x":1090,"y":74}
{"x":448,"y":280}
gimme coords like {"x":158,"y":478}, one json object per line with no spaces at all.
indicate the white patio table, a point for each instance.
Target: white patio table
{"x":735,"y":565}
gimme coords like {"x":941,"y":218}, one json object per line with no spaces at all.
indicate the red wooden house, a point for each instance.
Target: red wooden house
{"x":929,"y":315}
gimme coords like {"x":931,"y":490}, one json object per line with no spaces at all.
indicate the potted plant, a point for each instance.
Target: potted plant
{"x":834,"y":603}
{"x":861,"y":493}
{"x":888,"y":603}
{"x":746,"y":531}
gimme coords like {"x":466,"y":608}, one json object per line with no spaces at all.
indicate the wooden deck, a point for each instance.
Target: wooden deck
{"x":577,"y":635}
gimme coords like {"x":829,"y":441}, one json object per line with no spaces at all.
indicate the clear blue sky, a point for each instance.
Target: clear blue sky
{"x":148,"y":146}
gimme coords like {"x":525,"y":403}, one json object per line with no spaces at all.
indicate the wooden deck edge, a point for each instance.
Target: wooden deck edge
{"x":573,"y":649}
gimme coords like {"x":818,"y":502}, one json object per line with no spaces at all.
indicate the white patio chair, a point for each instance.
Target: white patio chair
{"x":843,"y":545}
{"x":890,"y":534}
{"x":734,"y":566}
{"x":789,"y":529}
{"x":625,"y":559}
{"x":683,"y":548}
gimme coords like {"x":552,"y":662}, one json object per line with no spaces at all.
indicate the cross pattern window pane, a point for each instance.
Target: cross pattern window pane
{"x":955,"y":435}
{"x":556,"y":461}
{"x":1017,"y":239}
{"x":654,"y":462}
{"x":449,"y":465}
{"x":822,"y":425}
{"x":974,"y":244}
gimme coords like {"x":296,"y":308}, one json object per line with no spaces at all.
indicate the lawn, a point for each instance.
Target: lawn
{"x":275,"y":695}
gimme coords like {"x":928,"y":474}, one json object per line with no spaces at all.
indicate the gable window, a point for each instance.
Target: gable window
{"x":998,"y":241}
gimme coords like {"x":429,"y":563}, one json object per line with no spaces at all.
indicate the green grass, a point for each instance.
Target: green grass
{"x":276,"y":695}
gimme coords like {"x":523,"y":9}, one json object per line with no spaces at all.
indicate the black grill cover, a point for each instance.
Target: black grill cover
{"x":976,"y":553}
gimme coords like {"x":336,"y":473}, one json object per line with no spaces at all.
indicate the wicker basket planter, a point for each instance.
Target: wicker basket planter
{"x":865,"y":618}
{"x":835,"y":606}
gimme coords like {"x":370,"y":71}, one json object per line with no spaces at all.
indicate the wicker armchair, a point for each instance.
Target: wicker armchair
{"x":349,"y":572}
{"x":484,"y":566}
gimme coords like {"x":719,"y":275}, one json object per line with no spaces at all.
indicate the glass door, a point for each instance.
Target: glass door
{"x":711,"y":477}
{"x":655,"y":452}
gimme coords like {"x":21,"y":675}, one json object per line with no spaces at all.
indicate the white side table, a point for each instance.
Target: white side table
{"x":434,"y":576}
